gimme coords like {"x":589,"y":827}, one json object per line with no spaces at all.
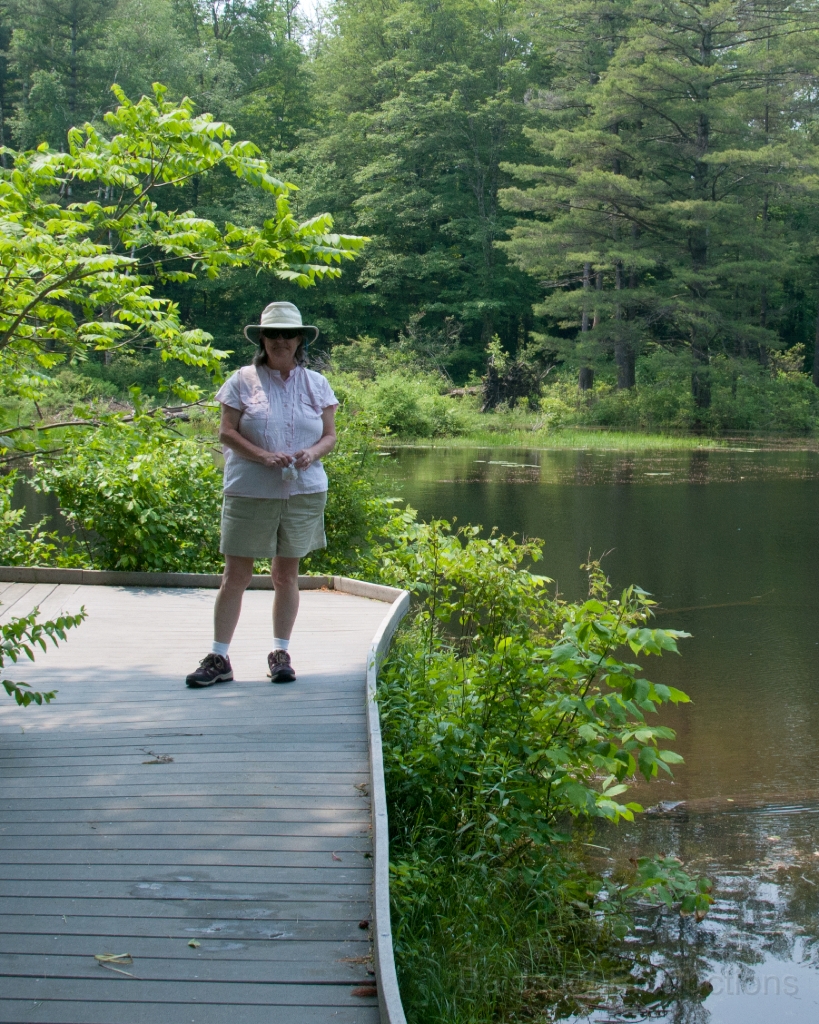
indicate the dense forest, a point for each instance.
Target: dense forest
{"x":594,"y":182}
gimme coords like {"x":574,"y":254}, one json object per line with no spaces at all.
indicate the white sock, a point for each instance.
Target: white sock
{"x":280,"y":644}
{"x":217,"y":648}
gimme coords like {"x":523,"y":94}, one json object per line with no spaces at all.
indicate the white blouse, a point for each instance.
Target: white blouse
{"x":278,"y":416}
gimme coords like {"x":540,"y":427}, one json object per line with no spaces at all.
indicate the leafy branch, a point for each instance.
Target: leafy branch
{"x":20,"y":636}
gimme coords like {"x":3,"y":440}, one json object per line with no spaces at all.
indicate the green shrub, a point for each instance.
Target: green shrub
{"x":31,"y":545}
{"x":744,"y":396}
{"x":506,"y":709}
{"x":747,"y":396}
{"x":411,"y":406}
{"x":506,"y":713}
{"x":357,"y":513}
{"x":145,"y":369}
{"x":398,"y":394}
{"x":140,"y":498}
{"x":367,"y":358}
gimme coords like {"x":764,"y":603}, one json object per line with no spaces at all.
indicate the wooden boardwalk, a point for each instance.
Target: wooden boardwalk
{"x":137,"y":816}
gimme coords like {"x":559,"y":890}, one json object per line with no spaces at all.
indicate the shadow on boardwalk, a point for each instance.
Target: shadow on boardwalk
{"x":139,"y":816}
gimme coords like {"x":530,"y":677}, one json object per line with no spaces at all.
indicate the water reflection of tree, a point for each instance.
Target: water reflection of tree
{"x":767,"y":909}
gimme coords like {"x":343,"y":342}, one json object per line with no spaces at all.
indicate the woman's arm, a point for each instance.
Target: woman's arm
{"x":230,"y":437}
{"x":306,"y":456}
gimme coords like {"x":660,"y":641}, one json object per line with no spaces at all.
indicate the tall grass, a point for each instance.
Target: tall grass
{"x":474,"y":946}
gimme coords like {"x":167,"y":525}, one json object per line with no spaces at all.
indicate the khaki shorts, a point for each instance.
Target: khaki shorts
{"x":266,"y":527}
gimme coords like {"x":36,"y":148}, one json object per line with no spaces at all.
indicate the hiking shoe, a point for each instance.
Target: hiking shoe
{"x":281,"y":671}
{"x":213,"y":668}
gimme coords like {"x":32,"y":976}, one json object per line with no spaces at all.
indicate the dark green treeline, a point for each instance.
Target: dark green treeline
{"x":587,"y":179}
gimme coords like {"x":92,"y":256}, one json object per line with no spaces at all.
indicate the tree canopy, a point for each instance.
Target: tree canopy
{"x":588,"y":181}
{"x":87,"y":236}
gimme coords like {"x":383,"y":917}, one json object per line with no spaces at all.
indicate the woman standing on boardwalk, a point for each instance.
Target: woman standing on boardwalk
{"x":278,"y":420}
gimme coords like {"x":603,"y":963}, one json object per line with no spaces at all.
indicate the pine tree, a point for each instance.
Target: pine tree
{"x":700,"y":121}
{"x":423,"y":106}
{"x":55,"y":50}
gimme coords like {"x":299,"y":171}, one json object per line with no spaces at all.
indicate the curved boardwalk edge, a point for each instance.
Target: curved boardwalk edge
{"x":389,"y":995}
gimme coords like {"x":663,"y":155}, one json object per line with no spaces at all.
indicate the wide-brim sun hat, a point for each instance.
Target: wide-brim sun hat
{"x":280,"y":314}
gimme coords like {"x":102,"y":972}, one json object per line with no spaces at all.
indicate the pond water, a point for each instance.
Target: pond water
{"x":728,"y":543}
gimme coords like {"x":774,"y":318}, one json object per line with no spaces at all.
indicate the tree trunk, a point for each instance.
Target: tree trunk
{"x":2,"y":132}
{"x":598,"y":287}
{"x":623,"y":352}
{"x":816,"y":352}
{"x":585,"y":379}
{"x":626,"y":368}
{"x":487,"y":329}
{"x":700,"y":378}
{"x":73,"y":62}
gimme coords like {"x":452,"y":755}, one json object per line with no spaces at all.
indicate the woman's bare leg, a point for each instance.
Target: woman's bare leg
{"x":235,"y":579}
{"x":285,"y":573}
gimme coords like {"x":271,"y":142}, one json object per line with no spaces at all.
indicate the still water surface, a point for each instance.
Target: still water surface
{"x":728,"y":543}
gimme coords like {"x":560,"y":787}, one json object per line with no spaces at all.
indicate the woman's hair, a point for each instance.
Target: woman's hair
{"x":260,"y":356}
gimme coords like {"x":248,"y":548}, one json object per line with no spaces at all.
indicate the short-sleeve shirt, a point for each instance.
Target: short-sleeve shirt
{"x":278,"y":416}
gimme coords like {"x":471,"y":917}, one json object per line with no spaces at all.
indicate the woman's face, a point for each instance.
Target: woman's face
{"x":281,"y":346}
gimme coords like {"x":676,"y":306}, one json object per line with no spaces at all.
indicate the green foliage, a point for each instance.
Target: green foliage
{"x":394,"y":390}
{"x":743,"y":396}
{"x":506,"y":713}
{"x":506,"y":710}
{"x":143,"y":498}
{"x":511,"y":165}
{"x":419,"y":105}
{"x":20,"y":636}
{"x":488,"y":946}
{"x":357,"y":514}
{"x":671,"y":163}
{"x":508,"y":381}
{"x":665,"y":877}
{"x":31,"y":545}
{"x":409,"y":405}
{"x":81,"y":275}
{"x":140,"y":498}
{"x":468,"y":944}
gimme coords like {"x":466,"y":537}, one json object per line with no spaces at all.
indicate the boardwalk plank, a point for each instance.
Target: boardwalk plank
{"x":171,"y":794}
{"x":163,"y":926}
{"x":137,"y":888}
{"x":233,"y":843}
{"x":328,"y":873}
{"x":225,"y":994}
{"x":318,"y":970}
{"x":234,"y":809}
{"x":167,"y":780}
{"x":248,"y":759}
{"x":228,"y":827}
{"x":38,"y":862}
{"x":14,"y":593}
{"x":247,"y":748}
{"x":354,"y":952}
{"x":29,"y":596}
{"x":60,"y":1012}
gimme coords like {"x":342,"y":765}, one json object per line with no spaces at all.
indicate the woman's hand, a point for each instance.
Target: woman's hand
{"x":303,"y":458}
{"x":277,"y":459}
